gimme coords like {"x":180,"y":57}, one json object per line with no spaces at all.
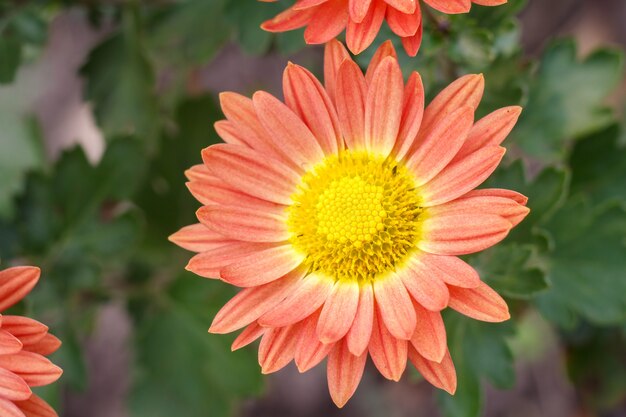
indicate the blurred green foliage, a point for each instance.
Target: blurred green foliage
{"x":99,"y":232}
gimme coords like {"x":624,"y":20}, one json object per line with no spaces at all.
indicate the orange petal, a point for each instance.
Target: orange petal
{"x":329,"y":20}
{"x":404,"y":6}
{"x":358,"y":9}
{"x":461,"y":176}
{"x":296,"y":140}
{"x":470,"y":204}
{"x":46,"y":346}
{"x":310,"y":351}
{"x":412,"y":43}
{"x":36,"y":407}
{"x":251,"y":333}
{"x":344,"y":372}
{"x":307,"y":98}
{"x":499,"y":192}
{"x":403,"y":24}
{"x":412,"y":113}
{"x":261,"y":267}
{"x":388,"y":353}
{"x":448,"y":269}
{"x":490,"y":2}
{"x":460,"y":234}
{"x":9,"y":344}
{"x":251,"y":303}
{"x":481,"y":303}
{"x":251,"y":172}
{"x":491,"y":130}
{"x":213,"y":191}
{"x":441,"y":375}
{"x":245,"y":224}
{"x":334,"y":55}
{"x":290,"y":19}
{"x":305,"y":4}
{"x":15,"y":283}
{"x":29,"y":331}
{"x":429,"y":338}
{"x":450,"y":6}
{"x":358,"y":337}
{"x":8,"y":409}
{"x":383,"y":107}
{"x":350,"y":97}
{"x":424,"y":286}
{"x":277,"y":348}
{"x":12,"y":387}
{"x":466,"y":91}
{"x":434,"y":151}
{"x":230,"y":133}
{"x":34,"y":369}
{"x":395,"y":307}
{"x":338,"y":312}
{"x":361,"y":35}
{"x":197,"y":238}
{"x":385,"y":50}
{"x":208,"y":264}
{"x":198,"y":173}
{"x":310,"y":294}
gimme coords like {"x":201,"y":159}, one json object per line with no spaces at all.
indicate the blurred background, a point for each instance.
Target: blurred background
{"x":104,"y":104}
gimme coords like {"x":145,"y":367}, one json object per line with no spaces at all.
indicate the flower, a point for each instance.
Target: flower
{"x":24,"y":345}
{"x":341,"y":214}
{"x":325,"y":19}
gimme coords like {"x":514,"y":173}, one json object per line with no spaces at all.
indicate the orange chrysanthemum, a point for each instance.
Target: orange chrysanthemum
{"x":341,"y":213}
{"x":24,"y":345}
{"x":325,"y":19}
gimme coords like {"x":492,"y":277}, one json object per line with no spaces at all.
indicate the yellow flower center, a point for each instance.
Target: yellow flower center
{"x":355,"y":216}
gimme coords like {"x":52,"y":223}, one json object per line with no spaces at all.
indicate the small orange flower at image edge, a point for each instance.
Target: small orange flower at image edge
{"x":341,"y":213}
{"x":362,"y":19}
{"x":24,"y":345}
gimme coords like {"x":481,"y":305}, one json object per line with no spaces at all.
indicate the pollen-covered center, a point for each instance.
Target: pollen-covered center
{"x":355,"y":216}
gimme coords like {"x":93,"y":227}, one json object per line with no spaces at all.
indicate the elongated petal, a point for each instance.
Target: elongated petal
{"x":244,"y":224}
{"x":9,"y":344}
{"x":383,"y":107}
{"x":459,"y":234}
{"x":334,"y":55}
{"x":310,"y":351}
{"x":198,"y":173}
{"x":388,"y":353}
{"x":350,"y":97}
{"x":436,"y":150}
{"x":338,"y":312}
{"x":491,"y":130}
{"x":277,"y":348}
{"x":311,"y":293}
{"x":197,"y":238}
{"x":296,"y":140}
{"x":490,"y":2}
{"x":412,"y":113}
{"x":208,"y":264}
{"x":441,"y":375}
{"x":429,"y":338}
{"x":251,"y":333}
{"x":358,"y":9}
{"x":404,"y":6}
{"x":403,"y":24}
{"x":481,"y":303}
{"x":424,"y":286}
{"x":385,"y":50}
{"x":12,"y":387}
{"x":36,"y":407}
{"x":344,"y":372}
{"x":358,"y":337}
{"x":251,"y":172}
{"x":251,"y":303}
{"x":230,"y":133}
{"x":34,"y":369}
{"x":305,"y":4}
{"x":29,"y":331}
{"x":450,"y":6}
{"x":461,"y":176}
{"x":468,"y":205}
{"x":328,"y":21}
{"x":361,"y":35}
{"x":448,"y":269}
{"x":46,"y":346}
{"x":499,"y":192}
{"x":394,"y":304}
{"x":288,"y":20}
{"x":261,"y":267}
{"x":8,"y":409}
{"x":307,"y":98}
{"x":412,"y":43}
{"x":466,"y":91}
{"x":15,"y":283}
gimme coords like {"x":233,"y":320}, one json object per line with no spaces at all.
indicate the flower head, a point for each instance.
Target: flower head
{"x":362,"y":19}
{"x":24,"y":345}
{"x":341,"y":213}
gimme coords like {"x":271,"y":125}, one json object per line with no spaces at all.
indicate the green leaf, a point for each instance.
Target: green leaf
{"x":10,"y":58}
{"x":599,"y":166}
{"x":120,"y":84}
{"x":182,"y":369}
{"x":566,"y":100}
{"x":586,"y":264}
